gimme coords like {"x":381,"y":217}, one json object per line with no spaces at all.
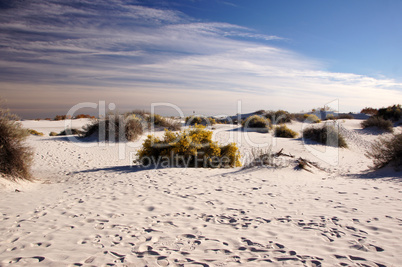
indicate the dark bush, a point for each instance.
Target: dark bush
{"x":326,"y":135}
{"x":191,"y":148}
{"x":284,"y":131}
{"x":393,"y":113}
{"x":69,"y":131}
{"x":387,"y":151}
{"x":15,"y":157}
{"x":345,"y":117}
{"x":115,"y":128}
{"x":378,"y":122}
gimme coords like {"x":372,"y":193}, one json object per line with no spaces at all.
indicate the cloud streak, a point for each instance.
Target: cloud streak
{"x":133,"y":55}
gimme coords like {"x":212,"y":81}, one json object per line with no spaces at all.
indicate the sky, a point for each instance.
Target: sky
{"x":210,"y":57}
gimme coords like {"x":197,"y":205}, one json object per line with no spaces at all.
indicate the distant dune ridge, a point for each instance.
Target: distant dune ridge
{"x":89,"y":207}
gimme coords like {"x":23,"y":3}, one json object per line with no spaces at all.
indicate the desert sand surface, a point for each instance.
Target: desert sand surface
{"x":90,"y":207}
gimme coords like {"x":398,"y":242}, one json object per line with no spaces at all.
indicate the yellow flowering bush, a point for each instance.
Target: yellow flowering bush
{"x":191,"y":148}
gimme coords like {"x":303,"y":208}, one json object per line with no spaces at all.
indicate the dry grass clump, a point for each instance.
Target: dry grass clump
{"x":35,"y":132}
{"x":327,"y":135}
{"x":379,"y":123}
{"x":167,"y":123}
{"x":256,"y":122}
{"x":284,"y":131}
{"x":15,"y":157}
{"x":53,"y":134}
{"x":68,"y":131}
{"x":191,"y":148}
{"x":200,"y":120}
{"x":115,"y":128}
{"x":311,"y":118}
{"x":387,"y":151}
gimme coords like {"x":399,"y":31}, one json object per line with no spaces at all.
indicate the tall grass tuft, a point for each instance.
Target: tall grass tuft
{"x":15,"y":157}
{"x":326,"y":135}
{"x":387,"y":151}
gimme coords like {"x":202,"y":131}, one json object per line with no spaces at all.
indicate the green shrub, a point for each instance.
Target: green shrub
{"x":387,"y":151}
{"x":69,"y":131}
{"x":53,"y":134}
{"x":15,"y":157}
{"x":279,"y":116}
{"x":191,"y":148}
{"x":115,"y":128}
{"x":284,"y":131}
{"x":256,"y":121}
{"x":35,"y":132}
{"x":200,"y":120}
{"x":345,"y":117}
{"x":378,"y":122}
{"x":167,"y":123}
{"x":326,"y":135}
{"x":393,"y":113}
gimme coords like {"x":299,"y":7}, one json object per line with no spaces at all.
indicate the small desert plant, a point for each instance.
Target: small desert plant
{"x":35,"y":132}
{"x":387,"y":151}
{"x":191,"y":148}
{"x":378,"y":122}
{"x":284,"y":131}
{"x":393,"y":113}
{"x":256,"y":121}
{"x":331,"y":117}
{"x":69,"y":131}
{"x":53,"y":134}
{"x":167,"y":123}
{"x":311,"y":118}
{"x":200,"y":120}
{"x":326,"y":135}
{"x":279,"y":116}
{"x":115,"y":128}
{"x":15,"y":156}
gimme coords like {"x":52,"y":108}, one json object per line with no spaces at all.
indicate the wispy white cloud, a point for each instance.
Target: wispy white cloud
{"x":133,"y":55}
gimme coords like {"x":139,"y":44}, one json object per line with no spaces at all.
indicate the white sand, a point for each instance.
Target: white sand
{"x":89,"y":208}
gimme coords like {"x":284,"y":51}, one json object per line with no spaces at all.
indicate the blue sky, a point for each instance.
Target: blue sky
{"x":202,"y":55}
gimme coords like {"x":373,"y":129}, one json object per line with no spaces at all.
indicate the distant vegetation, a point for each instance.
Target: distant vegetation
{"x":190,"y":148}
{"x":387,"y":151}
{"x":369,"y":111}
{"x":200,"y":120}
{"x":166,"y":123}
{"x":15,"y":156}
{"x":326,"y":135}
{"x":279,"y":116}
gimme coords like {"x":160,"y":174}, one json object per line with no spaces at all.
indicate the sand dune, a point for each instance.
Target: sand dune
{"x":90,"y":208}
